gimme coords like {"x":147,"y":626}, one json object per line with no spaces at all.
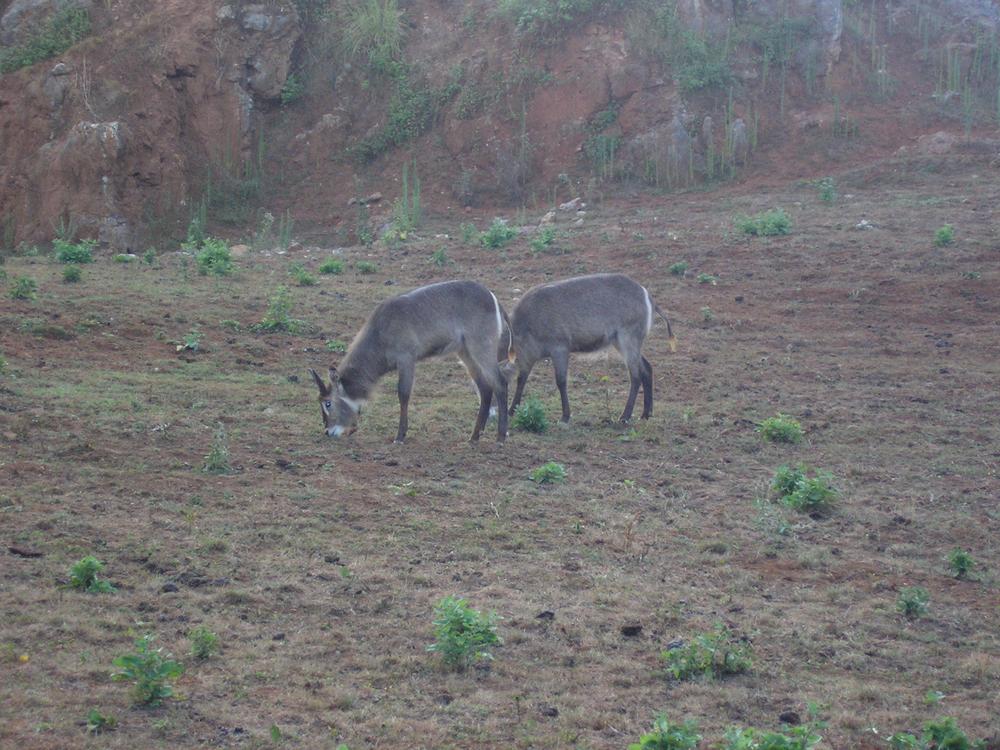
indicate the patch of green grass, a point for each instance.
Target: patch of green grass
{"x":913,"y":602}
{"x":707,"y":278}
{"x":204,"y":642}
{"x":780,"y":429}
{"x":543,"y":240}
{"x":667,"y":735}
{"x":679,"y":268}
{"x":530,"y":416}
{"x":497,"y":235}
{"x":72,"y":274}
{"x":366,"y":267}
{"x":827,"y":190}
{"x":764,"y":224}
{"x":217,"y":460}
{"x":374,"y":29}
{"x":74,"y":252}
{"x":336,"y":345}
{"x":716,"y":653}
{"x":803,"y":493}
{"x":83,"y":576}
{"x":278,"y":318}
{"x":960,"y":563}
{"x":149,"y":670}
{"x":462,"y":634}
{"x":944,"y":235}
{"x":331,"y":267}
{"x":64,"y":28}
{"x":302,"y":277}
{"x":549,"y":473}
{"x":750,"y":738}
{"x":439,"y":258}
{"x":214,"y":258}
{"x":938,"y":734}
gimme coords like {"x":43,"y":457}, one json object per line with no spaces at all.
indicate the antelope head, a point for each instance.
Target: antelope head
{"x":340,"y":413}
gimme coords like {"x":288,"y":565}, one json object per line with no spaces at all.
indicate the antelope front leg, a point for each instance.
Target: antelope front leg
{"x":560,"y":363}
{"x":522,"y":378}
{"x":404,"y":388}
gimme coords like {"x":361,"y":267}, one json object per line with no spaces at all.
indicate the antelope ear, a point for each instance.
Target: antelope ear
{"x":323,"y":387}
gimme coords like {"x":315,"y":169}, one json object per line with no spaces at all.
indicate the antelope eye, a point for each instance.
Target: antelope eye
{"x":327,"y":404}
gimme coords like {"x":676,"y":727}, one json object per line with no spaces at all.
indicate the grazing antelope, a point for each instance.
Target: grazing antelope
{"x":585,"y":314}
{"x":453,"y":316}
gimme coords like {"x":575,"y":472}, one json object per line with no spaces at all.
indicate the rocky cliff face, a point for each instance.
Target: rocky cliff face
{"x":123,"y":131}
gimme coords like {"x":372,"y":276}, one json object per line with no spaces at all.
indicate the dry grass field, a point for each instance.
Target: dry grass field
{"x":318,"y":562}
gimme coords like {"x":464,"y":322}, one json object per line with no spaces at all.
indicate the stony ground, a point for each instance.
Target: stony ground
{"x":318,"y":563}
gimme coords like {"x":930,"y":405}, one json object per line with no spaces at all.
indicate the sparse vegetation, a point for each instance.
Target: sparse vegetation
{"x":331,"y":267}
{"x":707,"y":278}
{"x":302,"y":277}
{"x":462,"y":634}
{"x":98,"y":722}
{"x":214,"y":257}
{"x":366,"y":267}
{"x":497,"y":235}
{"x":204,"y":642}
{"x":764,"y":224}
{"x":336,"y":345}
{"x":217,"y":460}
{"x":278,"y":318}
{"x":123,"y":257}
{"x":549,"y":473}
{"x":944,"y":235}
{"x":960,"y":563}
{"x":827,"y":190}
{"x":439,"y":258}
{"x":750,"y":738}
{"x":913,"y":602}
{"x":780,"y":429}
{"x":939,"y":734}
{"x":83,"y":576}
{"x":716,"y":653}
{"x":72,"y":274}
{"x":149,"y":670}
{"x":64,"y":28}
{"x":374,"y":29}
{"x":74,"y":252}
{"x":293,"y":90}
{"x":804,"y":493}
{"x":667,"y":735}
{"x":679,"y":268}
{"x":468,"y":232}
{"x":530,"y":416}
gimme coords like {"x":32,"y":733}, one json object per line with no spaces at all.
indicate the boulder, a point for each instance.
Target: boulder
{"x":272,"y":32}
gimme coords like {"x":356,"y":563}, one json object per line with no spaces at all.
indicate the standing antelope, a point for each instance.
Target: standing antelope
{"x":586,"y":314}
{"x":452,"y":316}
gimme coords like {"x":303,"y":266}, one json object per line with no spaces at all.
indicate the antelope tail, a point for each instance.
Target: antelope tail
{"x":511,"y":355}
{"x":672,"y":341}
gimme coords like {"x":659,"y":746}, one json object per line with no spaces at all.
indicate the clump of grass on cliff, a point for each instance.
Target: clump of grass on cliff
{"x":62,"y":30}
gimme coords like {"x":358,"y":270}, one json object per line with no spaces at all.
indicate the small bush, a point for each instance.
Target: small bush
{"x":707,"y":278}
{"x":71,"y":274}
{"x":716,"y":653}
{"x":150,"y":671}
{"x":332,"y":267}
{"x":549,"y":473}
{"x":190,"y":341}
{"x":799,"y":738}
{"x":530,"y":416}
{"x":827,"y":190}
{"x":765,"y":224}
{"x":960,"y":563}
{"x":74,"y":252}
{"x":667,"y":735}
{"x":780,"y":429}
{"x":123,"y":257}
{"x":366,"y":267}
{"x":214,"y":258}
{"x":217,"y":460}
{"x":944,"y":235}
{"x":204,"y":643}
{"x":462,"y":634}
{"x":293,"y":90}
{"x":439,"y":258}
{"x":803,"y":493}
{"x":543,"y":240}
{"x":277,"y":318}
{"x":83,"y":576}
{"x":939,"y":734}
{"x":336,"y":345}
{"x":679,"y":268}
{"x":98,"y":722}
{"x":468,"y":232}
{"x":913,"y":602}
{"x":149,"y":257}
{"x":302,"y":277}
{"x":497,"y":235}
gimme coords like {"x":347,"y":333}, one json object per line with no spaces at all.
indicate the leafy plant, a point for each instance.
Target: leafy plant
{"x":938,"y":734}
{"x":278,"y":316}
{"x":780,"y":429}
{"x":707,"y":278}
{"x":679,"y":268}
{"x":913,"y":602}
{"x":83,"y":576}
{"x":336,"y":345}
{"x":204,"y":643}
{"x":72,"y":274}
{"x":331,"y":266}
{"x":667,"y":735}
{"x":98,"y":722}
{"x":750,"y":738}
{"x":214,"y":258}
{"x":497,"y":235}
{"x":74,"y":252}
{"x":366,"y":267}
{"x":439,"y":258}
{"x":827,"y":190}
{"x":217,"y":460}
{"x":960,"y":563}
{"x":803,"y":493}
{"x":149,"y":257}
{"x":543,"y":240}
{"x":707,"y":315}
{"x":765,"y":224}
{"x":150,"y":671}
{"x":64,"y":28}
{"x":530,"y":416}
{"x":549,"y":473}
{"x":302,"y":277}
{"x":944,"y":235}
{"x":463,"y":634}
{"x":468,"y":232}
{"x":292,"y":90}
{"x":716,"y":653}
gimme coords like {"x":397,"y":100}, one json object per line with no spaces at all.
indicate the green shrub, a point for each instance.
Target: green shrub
{"x":302,"y":277}
{"x":497,"y":235}
{"x":67,"y":26}
{"x":217,"y":460}
{"x":204,"y":643}
{"x":543,"y":240}
{"x":190,"y":341}
{"x":411,"y":112}
{"x":707,"y":278}
{"x":149,"y":257}
{"x":549,"y":473}
{"x":292,"y":90}
{"x":939,"y":734}
{"x":336,"y":345}
{"x":214,"y":258}
{"x":150,"y":671}
{"x":72,"y":274}
{"x":83,"y":576}
{"x":278,"y":316}
{"x":679,"y":268}
{"x":667,"y":735}
{"x":960,"y":563}
{"x":780,"y":429}
{"x":74,"y":252}
{"x":98,"y":722}
{"x":944,"y":235}
{"x":716,"y":653}
{"x":462,"y":634}
{"x":803,"y":493}
{"x":530,"y":416}
{"x":332,"y":266}
{"x":798,"y":738}
{"x":24,"y":287}
{"x":913,"y":602}
{"x":765,"y":224}
{"x":439,"y":258}
{"x":366,"y":267}
{"x":827,"y":190}
{"x":374,"y":28}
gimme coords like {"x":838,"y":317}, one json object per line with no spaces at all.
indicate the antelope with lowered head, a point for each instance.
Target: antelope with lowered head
{"x":586,"y":314}
{"x":452,"y":316}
